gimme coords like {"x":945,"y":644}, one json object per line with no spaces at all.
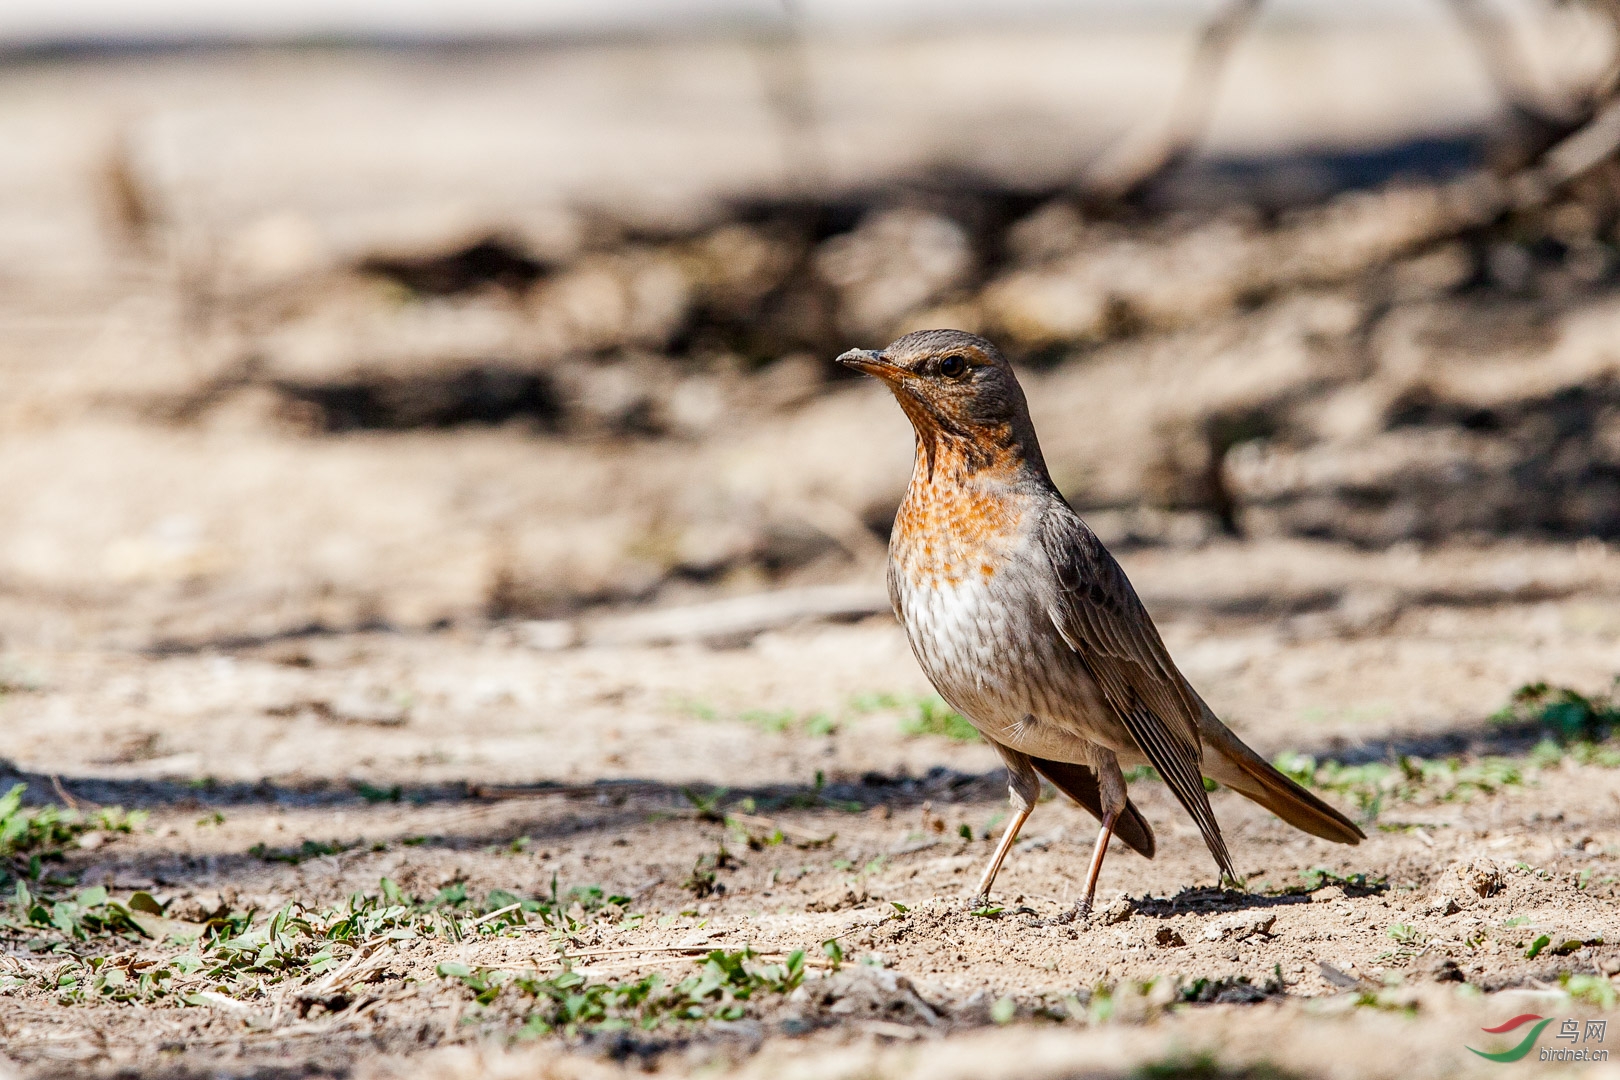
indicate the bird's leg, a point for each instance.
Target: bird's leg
{"x":1113,"y":798}
{"x":1023,"y":789}
{"x":989,"y":876}
{"x":1104,"y":834}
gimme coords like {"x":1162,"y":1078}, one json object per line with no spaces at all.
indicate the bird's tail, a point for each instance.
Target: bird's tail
{"x":1079,"y":783}
{"x":1229,"y":761}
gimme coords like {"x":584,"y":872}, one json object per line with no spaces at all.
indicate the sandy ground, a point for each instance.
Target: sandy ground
{"x":289,"y":733}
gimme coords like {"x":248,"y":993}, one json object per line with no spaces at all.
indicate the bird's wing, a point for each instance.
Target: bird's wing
{"x":1100,"y":617}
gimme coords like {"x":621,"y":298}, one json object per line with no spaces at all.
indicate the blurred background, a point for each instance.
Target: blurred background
{"x":333,"y":317}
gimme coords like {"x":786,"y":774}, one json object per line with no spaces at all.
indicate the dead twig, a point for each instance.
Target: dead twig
{"x":1501,"y":55}
{"x":1124,"y":172}
{"x":790,"y":832}
{"x":366,"y":958}
{"x":496,"y":914}
{"x":62,"y":793}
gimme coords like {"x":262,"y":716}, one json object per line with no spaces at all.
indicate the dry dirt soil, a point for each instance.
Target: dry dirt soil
{"x":770,"y":797}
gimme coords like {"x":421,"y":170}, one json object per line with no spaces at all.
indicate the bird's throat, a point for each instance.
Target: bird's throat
{"x":956,"y":452}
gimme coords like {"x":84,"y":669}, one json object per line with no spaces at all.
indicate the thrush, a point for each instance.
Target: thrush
{"x":1027,"y":626}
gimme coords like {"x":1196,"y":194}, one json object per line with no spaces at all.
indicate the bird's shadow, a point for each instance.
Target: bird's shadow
{"x":1210,"y":900}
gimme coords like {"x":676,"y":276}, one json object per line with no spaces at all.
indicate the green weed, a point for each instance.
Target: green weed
{"x":31,"y":836}
{"x":1567,"y":715}
{"x":569,"y":1002}
{"x":780,"y":721}
{"x":292,"y":856}
{"x":931,"y":716}
{"x":1592,"y":989}
{"x":1377,"y":785}
{"x":1318,"y":877}
{"x":1407,"y":934}
{"x":1575,"y":724}
{"x":244,"y":958}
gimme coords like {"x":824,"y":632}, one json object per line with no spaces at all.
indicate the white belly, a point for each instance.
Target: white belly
{"x":995,"y":657}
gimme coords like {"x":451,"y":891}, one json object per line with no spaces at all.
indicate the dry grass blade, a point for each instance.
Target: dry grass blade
{"x":213,"y":997}
{"x":768,"y":825}
{"x":338,"y":977}
{"x":496,"y":914}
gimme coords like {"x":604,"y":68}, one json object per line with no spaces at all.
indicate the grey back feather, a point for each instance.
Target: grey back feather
{"x":1101,"y":618}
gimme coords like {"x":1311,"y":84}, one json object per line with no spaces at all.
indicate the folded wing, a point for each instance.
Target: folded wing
{"x":1101,"y":618}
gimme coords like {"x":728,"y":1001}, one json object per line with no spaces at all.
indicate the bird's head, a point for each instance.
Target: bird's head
{"x":961,"y":396}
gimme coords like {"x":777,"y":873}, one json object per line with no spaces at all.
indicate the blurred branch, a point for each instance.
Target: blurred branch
{"x":1609,"y":11}
{"x":1505,"y":62}
{"x":129,"y":207}
{"x":1127,"y":170}
{"x":1534,"y":122}
{"x":1577,"y":147}
{"x":1569,"y":159}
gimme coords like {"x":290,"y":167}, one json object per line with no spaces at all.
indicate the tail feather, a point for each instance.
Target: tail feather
{"x":1079,"y":783}
{"x":1229,"y":760}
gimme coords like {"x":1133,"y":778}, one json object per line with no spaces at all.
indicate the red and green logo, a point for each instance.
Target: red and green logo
{"x":1524,"y":1046}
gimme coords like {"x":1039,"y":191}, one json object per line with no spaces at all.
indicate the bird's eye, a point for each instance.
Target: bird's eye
{"x":953,"y":367}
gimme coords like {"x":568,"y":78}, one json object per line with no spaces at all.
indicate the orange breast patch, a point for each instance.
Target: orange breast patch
{"x":951,"y":526}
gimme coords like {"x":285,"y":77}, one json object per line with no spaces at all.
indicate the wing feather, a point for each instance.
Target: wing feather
{"x":1101,"y":618}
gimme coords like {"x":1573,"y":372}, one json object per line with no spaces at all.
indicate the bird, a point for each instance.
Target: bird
{"x":1027,"y":626}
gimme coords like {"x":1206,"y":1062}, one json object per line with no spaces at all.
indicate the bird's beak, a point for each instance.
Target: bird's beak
{"x":869,"y":362}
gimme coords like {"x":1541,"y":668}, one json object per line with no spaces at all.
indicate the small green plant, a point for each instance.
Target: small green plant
{"x":779,"y":721}
{"x":31,"y":836}
{"x":571,"y":1003}
{"x":308,"y":849}
{"x":87,"y":914}
{"x":1567,"y":715}
{"x":931,"y":716}
{"x":878,"y":702}
{"x":698,"y":710}
{"x":1407,"y":934}
{"x":1318,"y":877}
{"x":775,"y":721}
{"x":1592,"y":989}
{"x":703,"y":880}
{"x":1375,"y":785}
{"x":707,"y":803}
{"x":242,"y":957}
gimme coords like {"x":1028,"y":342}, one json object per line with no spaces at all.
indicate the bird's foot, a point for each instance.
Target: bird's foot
{"x":1080,"y":913}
